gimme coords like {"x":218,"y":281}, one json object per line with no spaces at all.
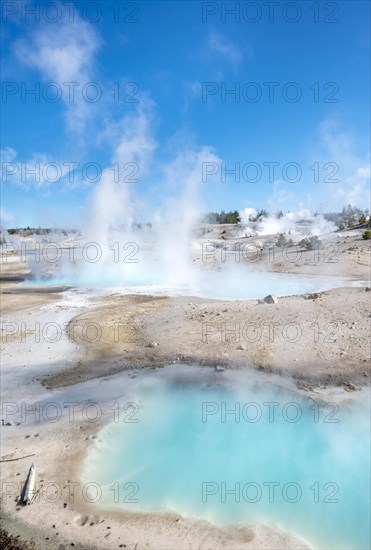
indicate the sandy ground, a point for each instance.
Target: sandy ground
{"x":344,"y":253}
{"x":318,"y":343}
{"x":321,"y":340}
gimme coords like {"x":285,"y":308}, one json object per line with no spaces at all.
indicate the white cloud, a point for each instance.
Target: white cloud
{"x":281,"y":197}
{"x":364,"y":172}
{"x":63,"y":53}
{"x":338,"y":145}
{"x":5,"y":217}
{"x":356,"y":188}
{"x":221,"y":47}
{"x":337,"y":142}
{"x":39,"y":172}
{"x":8,"y":154}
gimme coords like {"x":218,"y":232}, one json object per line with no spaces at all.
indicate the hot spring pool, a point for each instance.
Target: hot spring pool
{"x":238,"y":452}
{"x":209,"y":284}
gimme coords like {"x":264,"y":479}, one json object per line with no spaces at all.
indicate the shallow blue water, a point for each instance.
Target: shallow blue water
{"x":209,"y":284}
{"x":186,"y":452}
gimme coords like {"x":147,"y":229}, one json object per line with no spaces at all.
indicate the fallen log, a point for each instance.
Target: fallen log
{"x":27,"y":494}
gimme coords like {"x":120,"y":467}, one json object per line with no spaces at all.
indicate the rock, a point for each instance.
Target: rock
{"x":152,"y":345}
{"x":261,"y":302}
{"x":367,"y":289}
{"x":270,"y":299}
{"x":217,"y":368}
{"x":9,"y":423}
{"x":312,"y":296}
{"x":350,"y":387}
{"x":242,"y":348}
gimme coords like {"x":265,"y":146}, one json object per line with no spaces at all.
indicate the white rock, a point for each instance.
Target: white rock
{"x":270,"y":299}
{"x":152,"y":345}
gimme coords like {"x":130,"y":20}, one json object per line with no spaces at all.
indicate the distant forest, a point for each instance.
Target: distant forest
{"x":222,"y":217}
{"x":347,"y":217}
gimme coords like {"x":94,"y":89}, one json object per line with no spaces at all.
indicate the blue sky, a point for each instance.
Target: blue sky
{"x":301,"y":101}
